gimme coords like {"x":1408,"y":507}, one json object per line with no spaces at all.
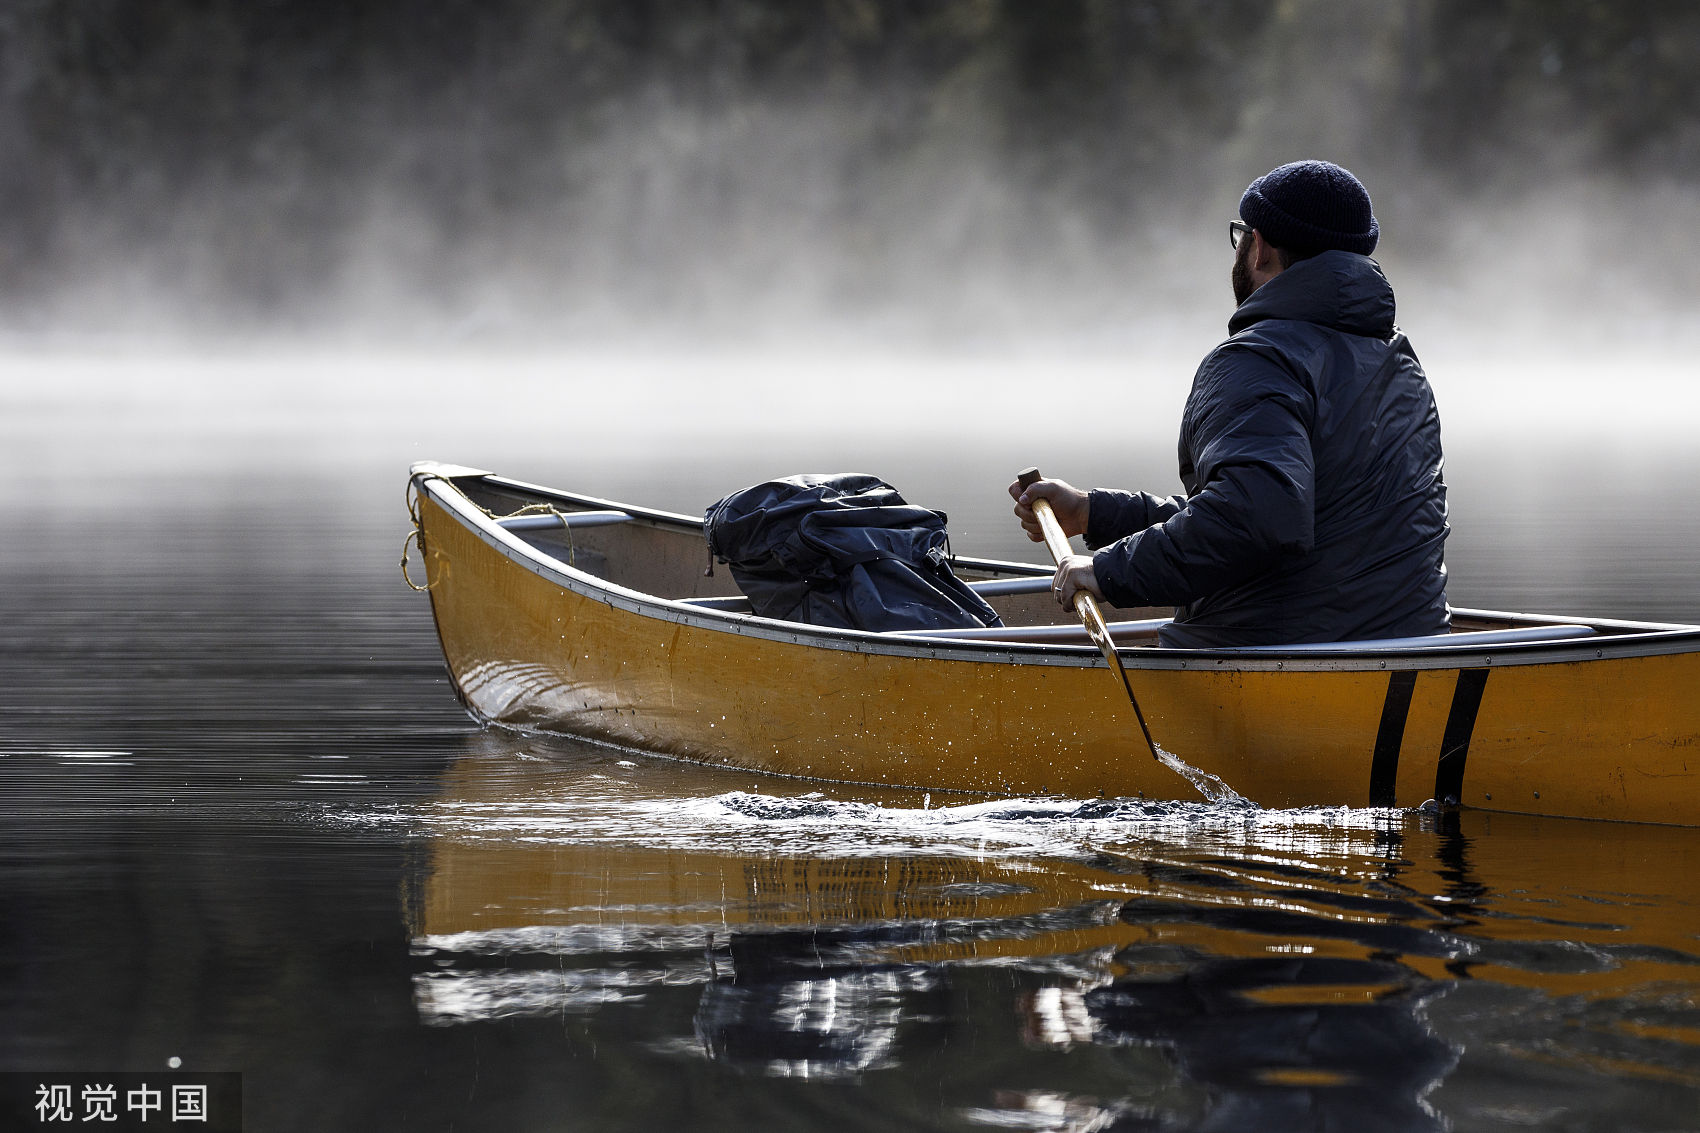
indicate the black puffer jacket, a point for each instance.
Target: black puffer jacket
{"x":1310,"y":454}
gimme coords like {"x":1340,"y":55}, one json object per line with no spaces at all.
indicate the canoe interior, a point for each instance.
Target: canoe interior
{"x":665,"y":555}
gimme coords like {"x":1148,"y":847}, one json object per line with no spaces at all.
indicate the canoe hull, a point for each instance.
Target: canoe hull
{"x":534,"y":643}
{"x":526,"y":652}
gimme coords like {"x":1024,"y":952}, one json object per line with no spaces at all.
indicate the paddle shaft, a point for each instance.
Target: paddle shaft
{"x":1085,"y":605}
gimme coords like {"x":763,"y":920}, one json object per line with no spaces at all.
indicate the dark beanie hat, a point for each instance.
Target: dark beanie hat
{"x":1311,"y":206}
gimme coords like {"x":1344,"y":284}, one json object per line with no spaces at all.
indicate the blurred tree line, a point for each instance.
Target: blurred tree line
{"x":249,"y":138}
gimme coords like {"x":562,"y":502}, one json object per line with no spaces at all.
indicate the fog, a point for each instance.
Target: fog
{"x":954,"y":175}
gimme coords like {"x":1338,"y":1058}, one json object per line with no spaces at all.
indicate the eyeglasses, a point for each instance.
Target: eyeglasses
{"x":1237,"y":231}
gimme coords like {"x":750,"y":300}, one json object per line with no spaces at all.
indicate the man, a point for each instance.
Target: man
{"x":1309,"y":451}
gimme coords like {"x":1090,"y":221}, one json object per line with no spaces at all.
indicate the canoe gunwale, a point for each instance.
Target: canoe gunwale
{"x":1630,"y":640}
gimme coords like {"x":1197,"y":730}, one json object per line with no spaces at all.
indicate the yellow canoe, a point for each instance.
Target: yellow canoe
{"x":567,"y":613}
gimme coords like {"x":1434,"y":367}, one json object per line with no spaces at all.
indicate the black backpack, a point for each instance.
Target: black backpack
{"x":842,"y":550}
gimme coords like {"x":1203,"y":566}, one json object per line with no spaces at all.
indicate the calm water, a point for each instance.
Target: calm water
{"x":247,"y":827}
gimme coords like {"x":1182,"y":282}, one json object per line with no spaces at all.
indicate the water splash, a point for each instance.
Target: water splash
{"x":1214,"y":790}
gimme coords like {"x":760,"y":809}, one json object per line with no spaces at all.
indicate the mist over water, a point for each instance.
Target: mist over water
{"x":949,"y":175}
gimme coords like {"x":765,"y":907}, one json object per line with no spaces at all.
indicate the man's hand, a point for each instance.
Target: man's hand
{"x":1068,"y":503}
{"x":1074,"y":574}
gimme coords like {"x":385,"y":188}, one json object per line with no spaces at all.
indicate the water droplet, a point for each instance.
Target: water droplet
{"x":1210,"y":786}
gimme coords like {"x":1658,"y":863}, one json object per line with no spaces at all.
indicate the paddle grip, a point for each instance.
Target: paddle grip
{"x":1048,"y":525}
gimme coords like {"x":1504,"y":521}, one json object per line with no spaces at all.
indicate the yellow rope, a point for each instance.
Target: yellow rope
{"x":411,"y":497}
{"x":411,"y":537}
{"x":540,"y":509}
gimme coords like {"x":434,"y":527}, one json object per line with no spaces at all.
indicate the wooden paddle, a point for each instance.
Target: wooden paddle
{"x":1084,"y":604}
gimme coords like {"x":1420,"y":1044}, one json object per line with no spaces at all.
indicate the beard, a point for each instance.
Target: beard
{"x":1241,"y":276}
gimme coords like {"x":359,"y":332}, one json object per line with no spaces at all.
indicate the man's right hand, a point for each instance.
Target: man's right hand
{"x":1069,"y":504}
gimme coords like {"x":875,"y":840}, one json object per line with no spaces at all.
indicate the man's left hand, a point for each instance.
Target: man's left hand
{"x":1074,"y":574}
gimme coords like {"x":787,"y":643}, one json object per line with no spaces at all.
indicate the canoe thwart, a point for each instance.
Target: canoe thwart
{"x":563,"y":519}
{"x":1000,"y":587}
{"x":1071,"y":634}
{"x":986,"y":588}
{"x":736,"y":604}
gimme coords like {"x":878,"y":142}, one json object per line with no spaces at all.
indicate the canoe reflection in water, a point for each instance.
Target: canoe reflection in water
{"x":1066,"y":965}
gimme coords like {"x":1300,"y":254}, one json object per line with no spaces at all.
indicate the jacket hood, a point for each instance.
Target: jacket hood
{"x":1339,"y":290}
